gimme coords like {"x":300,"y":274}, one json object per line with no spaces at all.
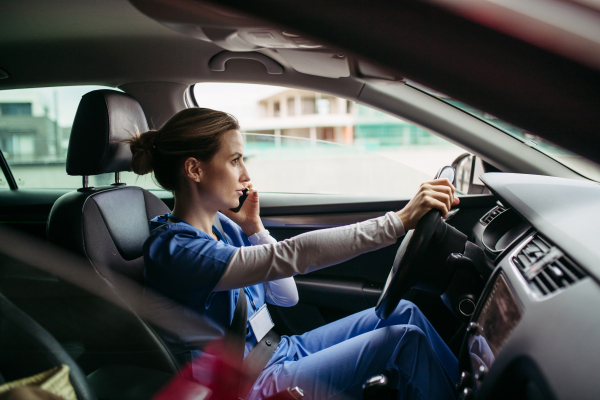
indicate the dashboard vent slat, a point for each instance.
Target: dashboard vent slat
{"x":493,"y":213}
{"x":547,"y":279}
{"x":570,"y":268}
{"x":545,"y":267}
{"x":540,"y":286}
{"x":540,"y":243}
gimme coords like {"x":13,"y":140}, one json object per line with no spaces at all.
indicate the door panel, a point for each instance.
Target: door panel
{"x":325,"y":295}
{"x":28,"y":209}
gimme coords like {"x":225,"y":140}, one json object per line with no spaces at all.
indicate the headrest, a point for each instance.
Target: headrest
{"x":103,"y":119}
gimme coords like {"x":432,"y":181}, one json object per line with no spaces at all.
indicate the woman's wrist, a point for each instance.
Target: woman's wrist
{"x":252,"y":227}
{"x":405,"y":218}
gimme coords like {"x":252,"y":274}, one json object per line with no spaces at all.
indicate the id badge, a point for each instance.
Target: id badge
{"x":261,"y":322}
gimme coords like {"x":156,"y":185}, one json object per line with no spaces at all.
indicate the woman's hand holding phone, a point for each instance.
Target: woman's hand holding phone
{"x":248,"y":216}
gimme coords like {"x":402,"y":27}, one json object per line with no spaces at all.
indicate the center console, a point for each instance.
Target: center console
{"x":498,"y":311}
{"x":497,"y":315}
{"x":506,"y":349}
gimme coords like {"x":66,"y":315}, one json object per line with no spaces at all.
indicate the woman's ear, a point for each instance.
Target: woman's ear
{"x":192,"y":169}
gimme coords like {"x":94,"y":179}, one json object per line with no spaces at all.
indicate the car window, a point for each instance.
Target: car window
{"x":35,"y":125}
{"x":299,"y":141}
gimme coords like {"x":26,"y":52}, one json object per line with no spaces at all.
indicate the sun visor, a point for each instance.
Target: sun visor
{"x":326,"y":64}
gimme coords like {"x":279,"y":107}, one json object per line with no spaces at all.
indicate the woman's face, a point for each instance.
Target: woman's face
{"x":224,"y":177}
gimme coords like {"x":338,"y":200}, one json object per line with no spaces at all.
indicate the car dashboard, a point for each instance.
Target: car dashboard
{"x":533,"y":333}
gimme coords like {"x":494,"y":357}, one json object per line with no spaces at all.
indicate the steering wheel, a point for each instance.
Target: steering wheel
{"x":407,"y":269}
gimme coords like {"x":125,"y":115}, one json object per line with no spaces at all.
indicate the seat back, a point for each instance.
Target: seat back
{"x":108,"y":225}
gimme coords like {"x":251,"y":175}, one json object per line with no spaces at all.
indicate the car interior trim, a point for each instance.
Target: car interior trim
{"x":159,"y":100}
{"x":563,"y":210}
{"x":219,"y":61}
{"x":10,"y":179}
{"x":515,"y":269}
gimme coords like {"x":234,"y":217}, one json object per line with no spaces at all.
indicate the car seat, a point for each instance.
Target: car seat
{"x":108,"y":225}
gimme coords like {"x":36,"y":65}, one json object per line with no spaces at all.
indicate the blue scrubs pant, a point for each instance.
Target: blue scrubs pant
{"x":333,"y":361}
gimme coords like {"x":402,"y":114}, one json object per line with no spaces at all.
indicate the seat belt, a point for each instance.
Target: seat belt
{"x":262,"y":351}
{"x":217,"y":224}
{"x":236,"y":337}
{"x":256,"y":361}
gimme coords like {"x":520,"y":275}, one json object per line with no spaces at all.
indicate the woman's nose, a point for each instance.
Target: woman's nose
{"x":245,"y":177}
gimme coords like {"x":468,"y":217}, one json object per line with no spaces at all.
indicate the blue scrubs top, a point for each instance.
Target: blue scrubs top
{"x":186,"y":264}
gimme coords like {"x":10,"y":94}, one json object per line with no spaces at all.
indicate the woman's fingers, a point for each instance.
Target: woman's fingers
{"x":439,"y":205}
{"x":446,"y":190}
{"x":251,"y":191}
{"x":443,"y":185}
{"x":438,"y":200}
{"x":438,"y":194}
{"x":442,"y":181}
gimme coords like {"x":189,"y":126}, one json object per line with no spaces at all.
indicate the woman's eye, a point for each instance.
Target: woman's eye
{"x":236,"y":161}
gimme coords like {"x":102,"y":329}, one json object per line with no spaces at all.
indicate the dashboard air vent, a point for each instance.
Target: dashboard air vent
{"x":493,"y":213}
{"x":545,"y":267}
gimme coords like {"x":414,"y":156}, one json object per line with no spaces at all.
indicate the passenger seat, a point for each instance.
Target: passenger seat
{"x":108,"y":225}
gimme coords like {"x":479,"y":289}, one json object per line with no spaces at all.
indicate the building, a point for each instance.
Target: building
{"x":28,"y":132}
{"x":304,"y":114}
{"x":315,"y":116}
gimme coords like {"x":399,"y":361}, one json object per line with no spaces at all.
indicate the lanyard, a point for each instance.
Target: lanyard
{"x":215,"y":230}
{"x":219,"y":234}
{"x":249,"y":294}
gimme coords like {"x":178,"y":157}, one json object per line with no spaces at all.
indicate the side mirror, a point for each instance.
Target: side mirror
{"x":448,"y":173}
{"x":468,"y":168}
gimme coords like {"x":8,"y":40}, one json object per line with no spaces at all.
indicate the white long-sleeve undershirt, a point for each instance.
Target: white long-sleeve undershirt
{"x":309,"y":252}
{"x":281,"y":292}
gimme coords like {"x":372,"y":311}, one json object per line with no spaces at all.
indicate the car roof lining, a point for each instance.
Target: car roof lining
{"x":112,"y":43}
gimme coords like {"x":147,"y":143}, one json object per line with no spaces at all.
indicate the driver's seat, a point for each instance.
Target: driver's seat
{"x":108,"y":225}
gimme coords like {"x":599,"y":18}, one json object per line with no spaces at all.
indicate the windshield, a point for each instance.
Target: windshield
{"x":571,"y":160}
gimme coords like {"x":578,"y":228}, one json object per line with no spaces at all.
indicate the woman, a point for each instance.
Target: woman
{"x":197,"y":155}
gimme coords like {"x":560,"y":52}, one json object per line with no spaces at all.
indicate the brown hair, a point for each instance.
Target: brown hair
{"x":193,"y":132}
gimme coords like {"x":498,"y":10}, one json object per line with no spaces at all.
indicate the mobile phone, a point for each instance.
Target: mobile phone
{"x":243,"y":198}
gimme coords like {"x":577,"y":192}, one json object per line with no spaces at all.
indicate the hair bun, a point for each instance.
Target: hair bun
{"x":147,"y":139}
{"x":142,"y":149}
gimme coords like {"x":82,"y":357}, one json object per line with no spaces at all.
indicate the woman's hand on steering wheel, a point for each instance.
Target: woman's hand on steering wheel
{"x":438,"y":194}
{"x":248,"y":218}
